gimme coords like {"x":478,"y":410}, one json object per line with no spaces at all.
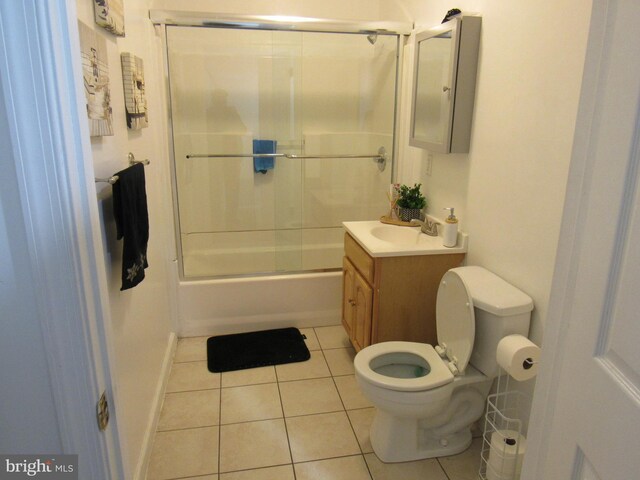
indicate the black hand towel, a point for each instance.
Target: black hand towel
{"x":132,"y":223}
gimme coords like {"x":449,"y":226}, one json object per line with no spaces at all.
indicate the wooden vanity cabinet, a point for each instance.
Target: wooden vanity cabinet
{"x":357,"y":305}
{"x":391,"y":298}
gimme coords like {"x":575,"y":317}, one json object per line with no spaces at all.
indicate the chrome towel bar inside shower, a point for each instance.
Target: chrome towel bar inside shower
{"x":380,"y":157}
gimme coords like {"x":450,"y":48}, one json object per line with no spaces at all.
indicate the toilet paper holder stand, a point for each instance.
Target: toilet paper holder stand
{"x":503,"y":443}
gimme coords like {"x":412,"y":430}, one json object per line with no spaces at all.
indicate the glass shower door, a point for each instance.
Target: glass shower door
{"x":315,"y":94}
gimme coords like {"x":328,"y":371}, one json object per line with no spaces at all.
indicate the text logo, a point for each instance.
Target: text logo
{"x":49,"y":467}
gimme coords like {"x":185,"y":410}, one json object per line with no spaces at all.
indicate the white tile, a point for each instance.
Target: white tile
{"x":332,"y":337}
{"x":304,"y":397}
{"x":361,"y":420}
{"x":184,"y":453}
{"x":350,"y":393}
{"x":419,"y":470}
{"x":311,"y":340}
{"x":249,"y":376}
{"x":251,"y":445}
{"x":317,"y":437}
{"x":190,"y":409}
{"x":249,"y":403}
{"x":345,"y":468}
{"x":340,"y":360}
{"x":315,"y":367}
{"x":283,"y":472}
{"x":465,"y":465}
{"x":192,"y":376}
{"x":191,"y":349}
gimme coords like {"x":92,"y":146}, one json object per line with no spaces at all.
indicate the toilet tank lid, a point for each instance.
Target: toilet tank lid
{"x":492,"y":294}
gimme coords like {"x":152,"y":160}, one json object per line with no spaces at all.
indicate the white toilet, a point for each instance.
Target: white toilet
{"x":426,"y":398}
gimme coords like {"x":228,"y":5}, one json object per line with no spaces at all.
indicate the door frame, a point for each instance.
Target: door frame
{"x":40,"y":79}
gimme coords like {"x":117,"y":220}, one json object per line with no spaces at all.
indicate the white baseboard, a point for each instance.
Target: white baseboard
{"x":154,"y":413}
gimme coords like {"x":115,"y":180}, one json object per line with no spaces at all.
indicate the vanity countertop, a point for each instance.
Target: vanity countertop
{"x":383,"y":240}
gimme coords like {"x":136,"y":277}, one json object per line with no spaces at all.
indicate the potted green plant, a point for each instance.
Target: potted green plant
{"x":410,"y":202}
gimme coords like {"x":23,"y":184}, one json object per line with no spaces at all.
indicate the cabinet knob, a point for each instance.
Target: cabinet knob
{"x":352,"y":302}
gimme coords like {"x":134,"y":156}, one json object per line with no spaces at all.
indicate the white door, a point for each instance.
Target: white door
{"x":586,"y":414}
{"x":54,"y":204}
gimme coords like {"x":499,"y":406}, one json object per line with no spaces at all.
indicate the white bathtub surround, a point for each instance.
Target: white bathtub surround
{"x":209,"y":254}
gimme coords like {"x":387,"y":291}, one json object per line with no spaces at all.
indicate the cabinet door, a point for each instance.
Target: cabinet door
{"x":348,"y":295}
{"x":361,"y":336}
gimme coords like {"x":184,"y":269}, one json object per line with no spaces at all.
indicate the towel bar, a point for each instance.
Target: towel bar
{"x":114,"y":178}
{"x":111,"y":180}
{"x":380,"y":158}
{"x":382,"y":155}
{"x":132,"y":160}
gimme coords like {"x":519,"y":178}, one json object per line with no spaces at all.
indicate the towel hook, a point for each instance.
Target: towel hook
{"x":132,"y":160}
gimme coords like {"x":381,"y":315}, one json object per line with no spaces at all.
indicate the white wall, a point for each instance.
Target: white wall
{"x":141,"y":318}
{"x":509,"y":189}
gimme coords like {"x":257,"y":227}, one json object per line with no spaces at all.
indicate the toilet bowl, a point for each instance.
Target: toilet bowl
{"x":404,"y":378}
{"x":427,"y":397}
{"x":422,"y":409}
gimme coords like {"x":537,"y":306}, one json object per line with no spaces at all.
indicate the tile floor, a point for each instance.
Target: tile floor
{"x":301,"y":421}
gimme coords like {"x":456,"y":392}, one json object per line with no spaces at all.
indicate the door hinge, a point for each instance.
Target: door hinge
{"x":102,"y":411}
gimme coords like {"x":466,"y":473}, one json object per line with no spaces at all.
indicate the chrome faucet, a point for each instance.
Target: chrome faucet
{"x":427,"y":227}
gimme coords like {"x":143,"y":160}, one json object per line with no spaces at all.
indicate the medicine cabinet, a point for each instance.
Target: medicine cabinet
{"x":445,"y":66}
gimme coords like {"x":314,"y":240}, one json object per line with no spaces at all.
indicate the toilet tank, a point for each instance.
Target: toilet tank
{"x":500,"y":310}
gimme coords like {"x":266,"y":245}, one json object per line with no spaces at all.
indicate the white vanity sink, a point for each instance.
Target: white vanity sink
{"x":382,"y":240}
{"x":401,"y":236}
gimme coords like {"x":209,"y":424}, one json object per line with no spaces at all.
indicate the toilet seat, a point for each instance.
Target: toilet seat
{"x":455,"y":321}
{"x":438,"y":375}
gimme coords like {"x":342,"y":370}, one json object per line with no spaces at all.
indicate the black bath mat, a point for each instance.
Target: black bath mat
{"x":256,"y":349}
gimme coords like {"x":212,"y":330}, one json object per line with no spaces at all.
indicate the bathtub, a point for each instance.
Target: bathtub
{"x":244,"y":304}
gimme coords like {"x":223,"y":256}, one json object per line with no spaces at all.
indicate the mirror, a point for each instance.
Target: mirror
{"x":445,"y":64}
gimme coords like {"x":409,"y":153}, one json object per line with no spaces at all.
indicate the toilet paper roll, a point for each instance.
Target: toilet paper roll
{"x":493,"y":475}
{"x":518,"y":356}
{"x":506,"y":454}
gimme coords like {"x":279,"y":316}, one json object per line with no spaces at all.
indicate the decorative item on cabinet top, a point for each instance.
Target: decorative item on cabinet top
{"x":405,"y":203}
{"x":411,"y":202}
{"x":445,"y":67}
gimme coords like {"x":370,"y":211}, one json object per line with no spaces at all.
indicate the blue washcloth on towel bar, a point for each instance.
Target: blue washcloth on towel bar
{"x":262,"y":164}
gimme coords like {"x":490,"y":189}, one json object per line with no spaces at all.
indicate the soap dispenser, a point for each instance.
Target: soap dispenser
{"x":450,"y":229}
